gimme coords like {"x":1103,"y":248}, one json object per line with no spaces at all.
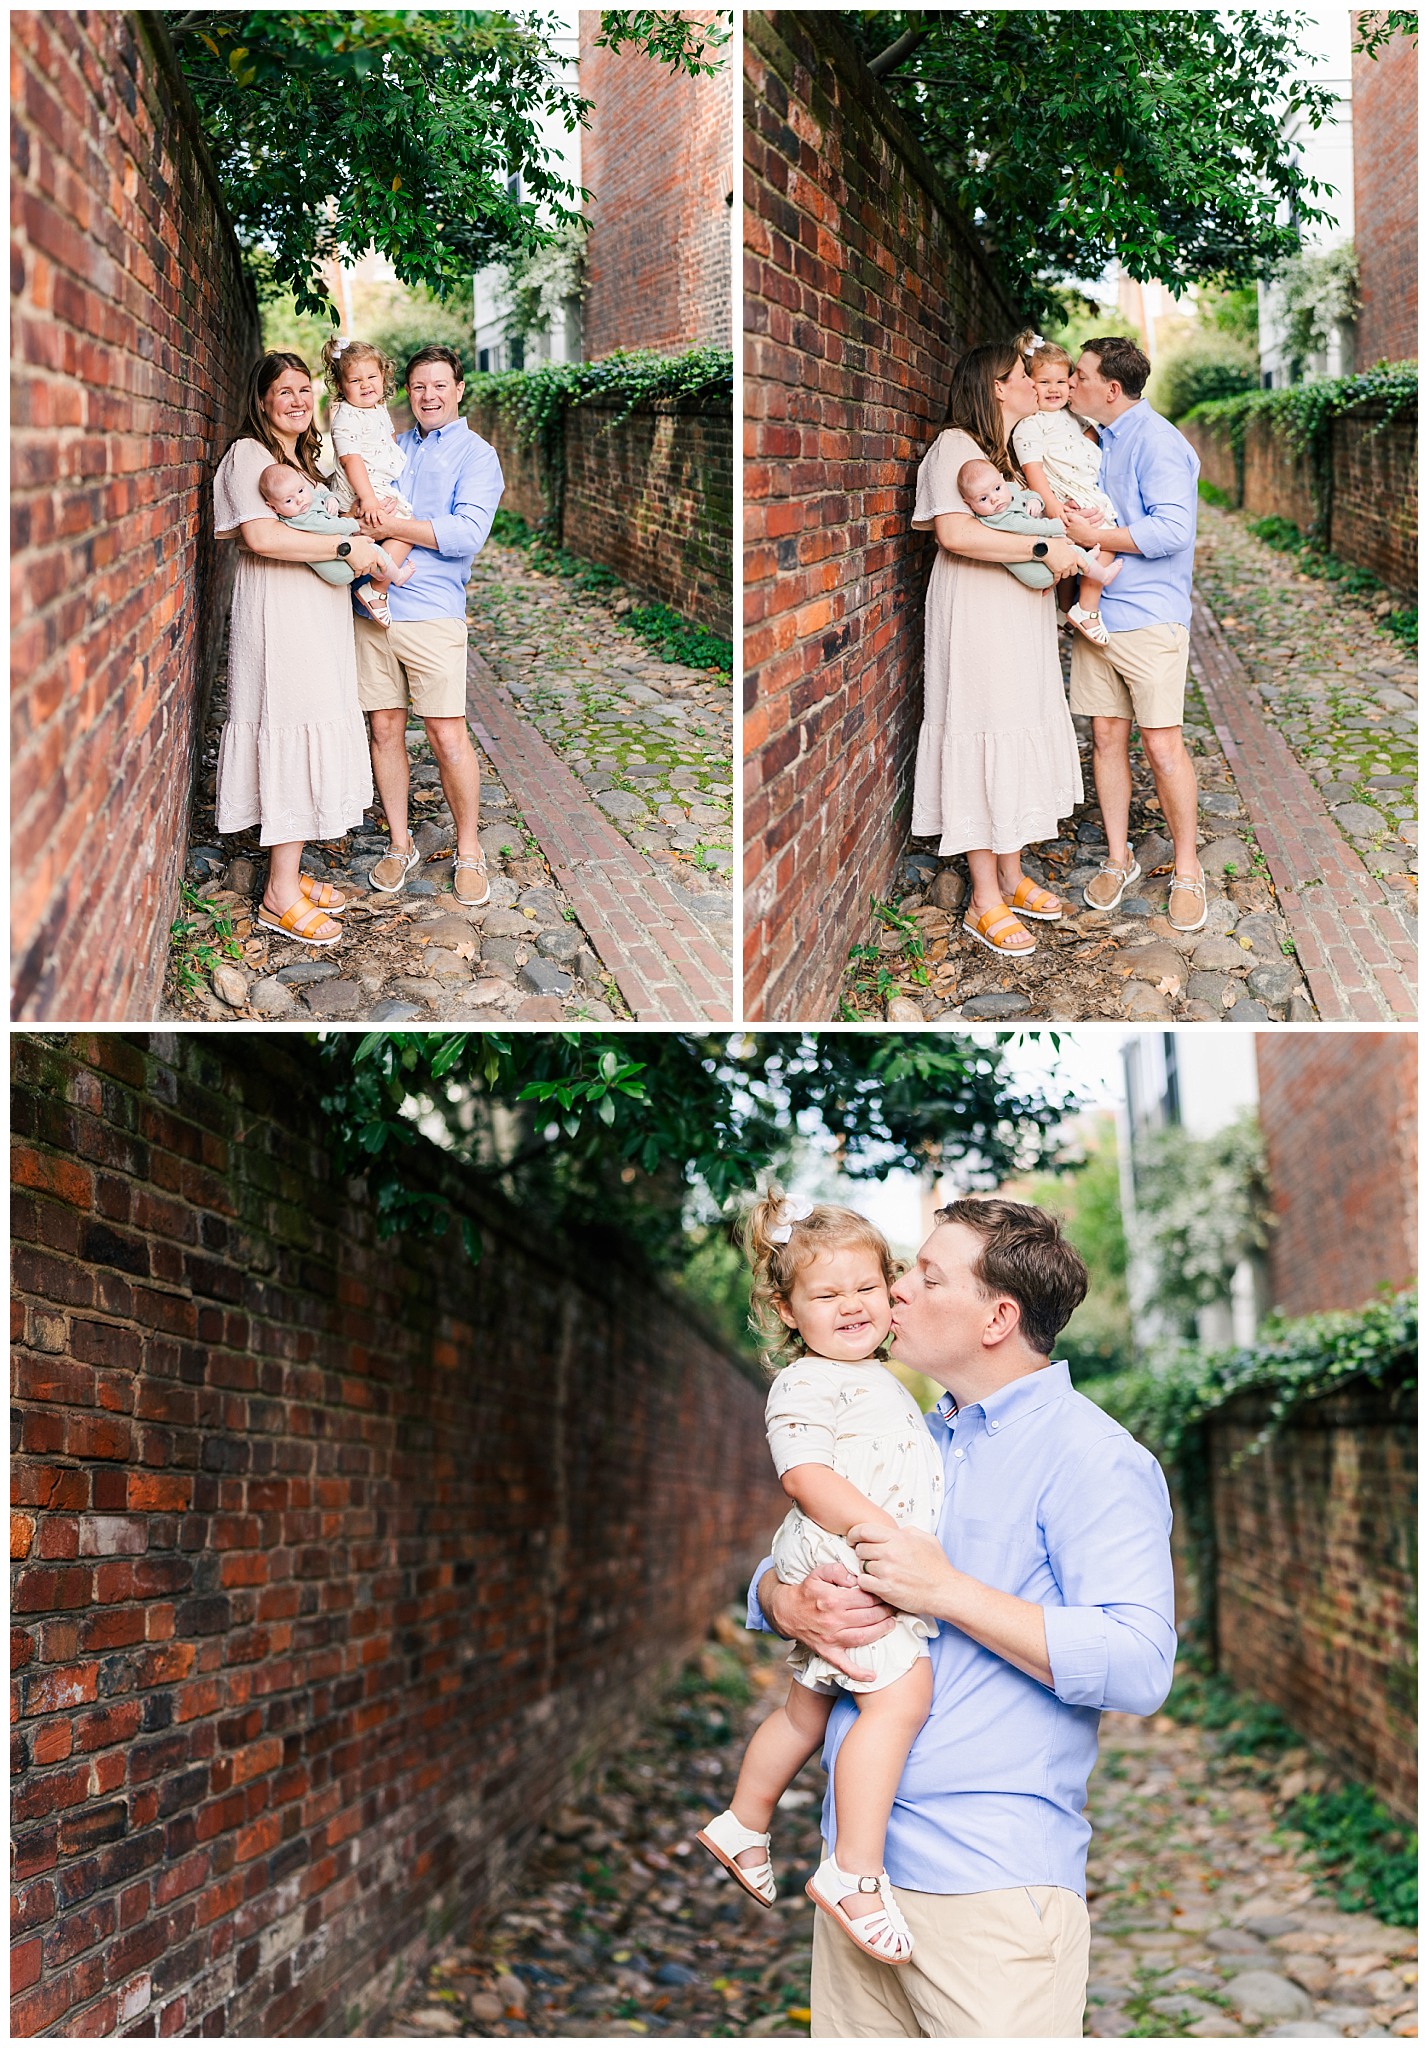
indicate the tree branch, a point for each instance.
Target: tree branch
{"x":889,"y":59}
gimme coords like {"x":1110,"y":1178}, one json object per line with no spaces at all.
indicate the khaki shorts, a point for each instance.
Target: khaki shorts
{"x":1140,"y":675}
{"x":416,"y":662}
{"x":986,"y":1966}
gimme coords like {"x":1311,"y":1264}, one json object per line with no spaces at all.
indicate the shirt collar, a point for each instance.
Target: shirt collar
{"x":1116,"y":428}
{"x":437,"y":433}
{"x":1022,"y":1397}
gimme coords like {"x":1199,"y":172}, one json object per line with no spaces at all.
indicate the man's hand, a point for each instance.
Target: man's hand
{"x":905,"y":1567}
{"x":830,"y":1613}
{"x":1089,"y":515}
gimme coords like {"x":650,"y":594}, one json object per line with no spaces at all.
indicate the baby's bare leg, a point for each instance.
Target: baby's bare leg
{"x":778,"y":1750}
{"x":865,"y":1777}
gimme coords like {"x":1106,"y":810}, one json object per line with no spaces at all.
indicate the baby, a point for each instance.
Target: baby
{"x":1061,"y":460}
{"x":313,"y":509}
{"x":990,"y":498}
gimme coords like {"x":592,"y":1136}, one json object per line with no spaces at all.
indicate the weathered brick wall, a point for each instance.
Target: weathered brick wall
{"x":132,"y":337}
{"x":1339,"y":1113}
{"x":656,"y":158}
{"x":1373,"y":514}
{"x":1315,"y":1575}
{"x":1385,"y":92}
{"x":334,"y":1558}
{"x":1276,"y":479}
{"x":520,"y":463}
{"x":861,"y":287}
{"x":651,"y":498}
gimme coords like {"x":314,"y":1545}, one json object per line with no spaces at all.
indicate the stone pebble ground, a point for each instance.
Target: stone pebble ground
{"x":1343,"y":696}
{"x":652,"y":740}
{"x":1342,"y":693}
{"x":1129,"y":963}
{"x":1202,"y":1921}
{"x":421,"y":957}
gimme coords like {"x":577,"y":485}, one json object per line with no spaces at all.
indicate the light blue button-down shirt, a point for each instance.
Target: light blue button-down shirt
{"x":1047,"y":1498}
{"x":453,"y":479}
{"x":1149,"y":472}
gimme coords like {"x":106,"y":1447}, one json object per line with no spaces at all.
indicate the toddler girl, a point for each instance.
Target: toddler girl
{"x":850,"y":1446}
{"x":313,"y":509}
{"x":1061,"y":461}
{"x":369,"y":461}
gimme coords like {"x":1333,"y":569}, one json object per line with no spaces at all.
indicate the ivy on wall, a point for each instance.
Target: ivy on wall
{"x":1302,"y":417}
{"x":537,"y":401}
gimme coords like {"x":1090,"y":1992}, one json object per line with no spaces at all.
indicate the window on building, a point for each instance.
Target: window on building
{"x":483,"y":359}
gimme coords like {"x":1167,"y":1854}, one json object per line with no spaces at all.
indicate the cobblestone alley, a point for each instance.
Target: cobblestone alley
{"x":606,"y":810}
{"x":1203,"y":1923}
{"x":1302,"y":718}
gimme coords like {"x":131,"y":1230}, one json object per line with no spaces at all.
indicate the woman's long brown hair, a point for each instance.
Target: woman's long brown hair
{"x":973,"y":404}
{"x":255,"y":425}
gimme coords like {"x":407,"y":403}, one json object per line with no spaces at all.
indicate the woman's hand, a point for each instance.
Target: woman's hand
{"x":1060,"y":558}
{"x":365,"y":555}
{"x":829,"y":1613}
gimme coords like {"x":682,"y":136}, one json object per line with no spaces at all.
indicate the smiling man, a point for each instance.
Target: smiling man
{"x":1051,"y":1568}
{"x":453,"y":483}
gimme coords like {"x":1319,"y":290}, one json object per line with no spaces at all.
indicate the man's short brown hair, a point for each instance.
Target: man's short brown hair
{"x":1024,"y":1255}
{"x":1121,"y":362}
{"x":435,"y":352}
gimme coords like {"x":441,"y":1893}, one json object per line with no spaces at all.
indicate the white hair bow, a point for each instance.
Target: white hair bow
{"x":1037,"y":341}
{"x":343,"y":341}
{"x":790,"y":1212}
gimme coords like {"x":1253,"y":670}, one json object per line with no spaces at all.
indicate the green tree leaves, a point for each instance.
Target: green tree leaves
{"x":339,"y":131}
{"x":624,"y":1130}
{"x":1152,"y":137}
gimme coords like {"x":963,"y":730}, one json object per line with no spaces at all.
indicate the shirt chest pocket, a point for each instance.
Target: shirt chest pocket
{"x":998,"y":1553}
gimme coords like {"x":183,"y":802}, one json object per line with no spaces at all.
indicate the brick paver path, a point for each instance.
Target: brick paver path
{"x":664,"y":962}
{"x":1352,"y":933}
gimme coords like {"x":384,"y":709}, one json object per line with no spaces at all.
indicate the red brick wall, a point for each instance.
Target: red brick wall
{"x":1373,"y":513}
{"x":334,"y":1558}
{"x":651,"y":498}
{"x":656,"y":159}
{"x":861,"y":287}
{"x":1385,"y":92}
{"x":1276,"y":479}
{"x":1339,"y":1113}
{"x":1316,"y":1606}
{"x":133,"y":333}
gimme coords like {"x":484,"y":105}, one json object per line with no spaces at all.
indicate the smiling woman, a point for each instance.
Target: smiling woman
{"x":293,"y":756}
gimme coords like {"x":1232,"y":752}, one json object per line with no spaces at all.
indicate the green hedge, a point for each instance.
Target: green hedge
{"x":536,"y":401}
{"x":1292,"y":1362}
{"x":1302,"y":416}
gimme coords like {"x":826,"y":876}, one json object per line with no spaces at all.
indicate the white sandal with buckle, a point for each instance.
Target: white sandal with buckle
{"x":884,"y":1935}
{"x":724,"y":1838}
{"x":1089,"y":625}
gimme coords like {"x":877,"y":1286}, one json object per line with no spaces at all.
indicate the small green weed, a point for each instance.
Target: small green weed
{"x":1366,"y":1858}
{"x":677,"y":639}
{"x":1285,"y":536}
{"x":199,"y":941}
{"x":1213,"y":495}
{"x":661,"y":628}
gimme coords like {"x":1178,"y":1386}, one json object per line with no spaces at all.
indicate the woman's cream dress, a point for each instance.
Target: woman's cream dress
{"x":863,"y":1423}
{"x":293,"y":757}
{"x":997,"y":765}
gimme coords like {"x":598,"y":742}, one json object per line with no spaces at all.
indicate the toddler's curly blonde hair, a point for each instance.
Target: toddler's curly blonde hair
{"x":1036,"y":352}
{"x":776,"y":1263}
{"x":338,"y":354}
